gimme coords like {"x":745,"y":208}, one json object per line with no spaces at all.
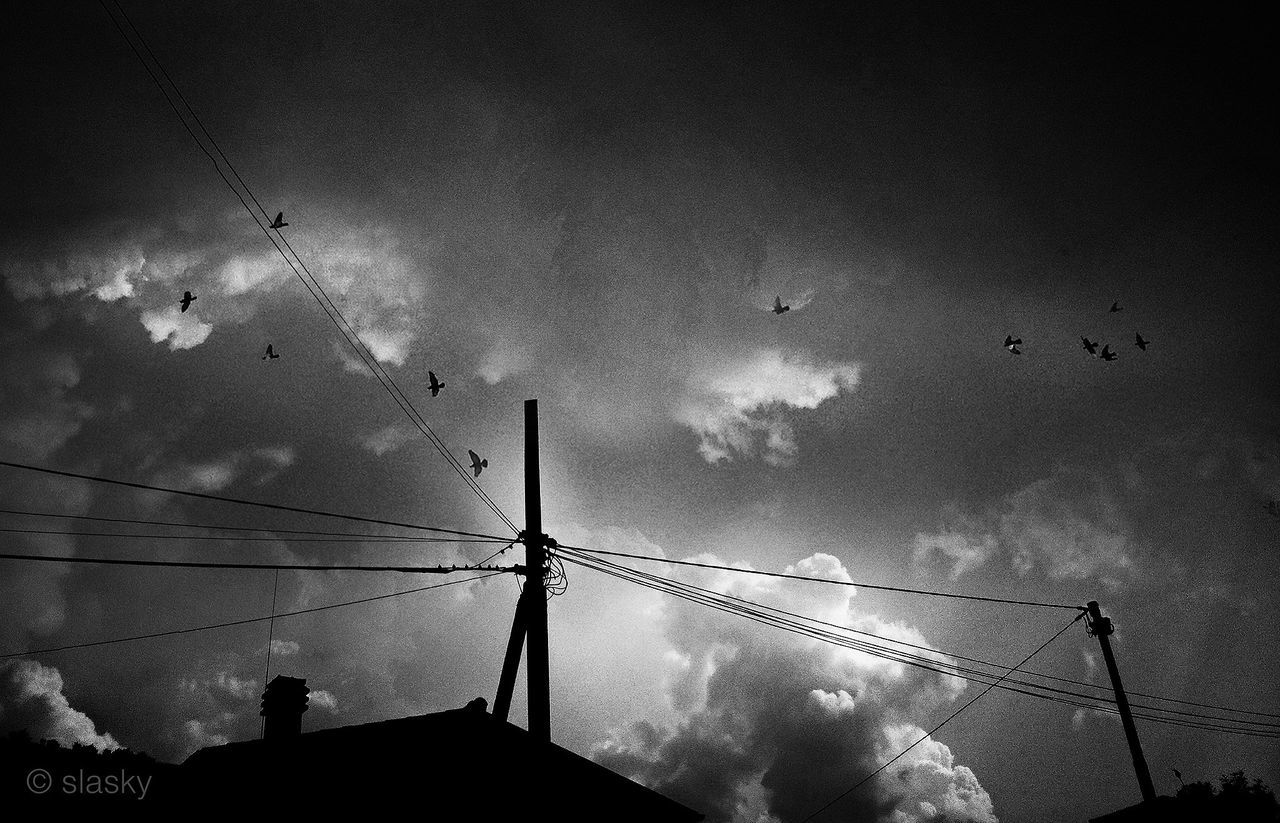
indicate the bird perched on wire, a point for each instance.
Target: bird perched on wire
{"x":187,"y":299}
{"x":1107,"y":354}
{"x":1139,"y":342}
{"x":436,"y":385}
{"x":476,"y":463}
{"x":1089,"y":346}
{"x":270,"y":355}
{"x":778,"y":308}
{"x":278,"y":223}
{"x":1115,"y":307}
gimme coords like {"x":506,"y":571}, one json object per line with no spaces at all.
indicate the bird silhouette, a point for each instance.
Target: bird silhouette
{"x":778,"y":308}
{"x":1116,"y":307}
{"x":1087,"y":345}
{"x":476,"y":463}
{"x":1010,"y":341}
{"x":270,"y":355}
{"x":187,"y":299}
{"x":1108,"y":354}
{"x":1139,"y":342}
{"x":278,"y":223}
{"x":436,"y":385}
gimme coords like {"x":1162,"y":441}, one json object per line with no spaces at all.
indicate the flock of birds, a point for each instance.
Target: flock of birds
{"x":1091,"y":346}
{"x":478,"y":464}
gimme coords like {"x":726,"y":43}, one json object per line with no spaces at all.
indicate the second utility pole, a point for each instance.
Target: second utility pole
{"x":1101,"y":628}
{"x":531,"y":611}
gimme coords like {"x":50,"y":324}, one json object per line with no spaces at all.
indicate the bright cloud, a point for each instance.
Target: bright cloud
{"x":31,"y":698}
{"x":741,"y":406}
{"x":182,"y":330}
{"x":770,"y":726}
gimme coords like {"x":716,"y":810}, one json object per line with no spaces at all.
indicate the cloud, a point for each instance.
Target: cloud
{"x":322,"y":699}
{"x":109,"y":274}
{"x":740,"y":406}
{"x":386,"y":439}
{"x":261,"y":464}
{"x":31,"y":698}
{"x":182,"y":330}
{"x":770,"y":726}
{"x":1067,"y":526}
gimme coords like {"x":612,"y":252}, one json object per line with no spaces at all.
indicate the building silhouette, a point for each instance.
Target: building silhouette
{"x":461,"y":764}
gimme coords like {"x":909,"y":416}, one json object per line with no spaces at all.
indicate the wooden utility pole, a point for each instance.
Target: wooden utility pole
{"x":1101,"y":628}
{"x":530,"y":620}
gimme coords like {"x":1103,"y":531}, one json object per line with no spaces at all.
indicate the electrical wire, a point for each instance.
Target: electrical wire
{"x":201,"y":564}
{"x":271,"y":529}
{"x":313,"y":286}
{"x":833,"y":582}
{"x":949,"y":718}
{"x":1087,"y":701}
{"x":243,"y":622}
{"x":229,"y":539}
{"x":273,"y":506}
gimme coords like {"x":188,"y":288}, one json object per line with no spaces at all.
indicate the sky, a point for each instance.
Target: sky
{"x":595,"y":205}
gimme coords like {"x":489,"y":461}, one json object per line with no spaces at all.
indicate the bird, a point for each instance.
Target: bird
{"x":270,"y":355}
{"x":476,"y":463}
{"x":1140,"y":343}
{"x":1015,"y":350}
{"x":1178,"y":775}
{"x":187,"y":299}
{"x":279,"y":223}
{"x":1089,"y":346}
{"x":1115,"y":307}
{"x":436,"y":385}
{"x":1108,"y":354}
{"x":1010,"y":341}
{"x":778,"y":308}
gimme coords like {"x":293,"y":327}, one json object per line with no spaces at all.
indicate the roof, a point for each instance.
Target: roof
{"x":464,"y":762}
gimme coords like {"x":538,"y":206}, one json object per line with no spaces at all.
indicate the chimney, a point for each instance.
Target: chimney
{"x":283,"y":703}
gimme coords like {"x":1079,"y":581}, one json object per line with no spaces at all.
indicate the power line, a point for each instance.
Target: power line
{"x":200,"y":564}
{"x":242,"y":502}
{"x":744,"y":608}
{"x":244,"y":622}
{"x":313,"y":285}
{"x":950,"y":717}
{"x":272,"y":529}
{"x":237,"y":539}
{"x":833,"y":582}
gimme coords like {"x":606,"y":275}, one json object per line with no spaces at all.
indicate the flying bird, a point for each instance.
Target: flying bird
{"x":1140,"y":343}
{"x":436,"y":385}
{"x":278,"y":223}
{"x":1116,"y":307}
{"x":1014,"y":349}
{"x":476,"y":463}
{"x":187,"y":299}
{"x":270,"y":355}
{"x":1087,"y":345}
{"x":1010,"y":341}
{"x":1108,"y":354}
{"x":778,"y":308}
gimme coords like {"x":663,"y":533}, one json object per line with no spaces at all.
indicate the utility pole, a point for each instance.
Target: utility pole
{"x":530,"y":620}
{"x":1101,"y":628}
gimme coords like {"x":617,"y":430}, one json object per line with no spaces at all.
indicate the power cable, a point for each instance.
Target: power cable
{"x":833,"y":582}
{"x":200,"y":564}
{"x":714,"y":600}
{"x":244,"y":622}
{"x":242,"y":502}
{"x":331,"y":310}
{"x":950,"y":717}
